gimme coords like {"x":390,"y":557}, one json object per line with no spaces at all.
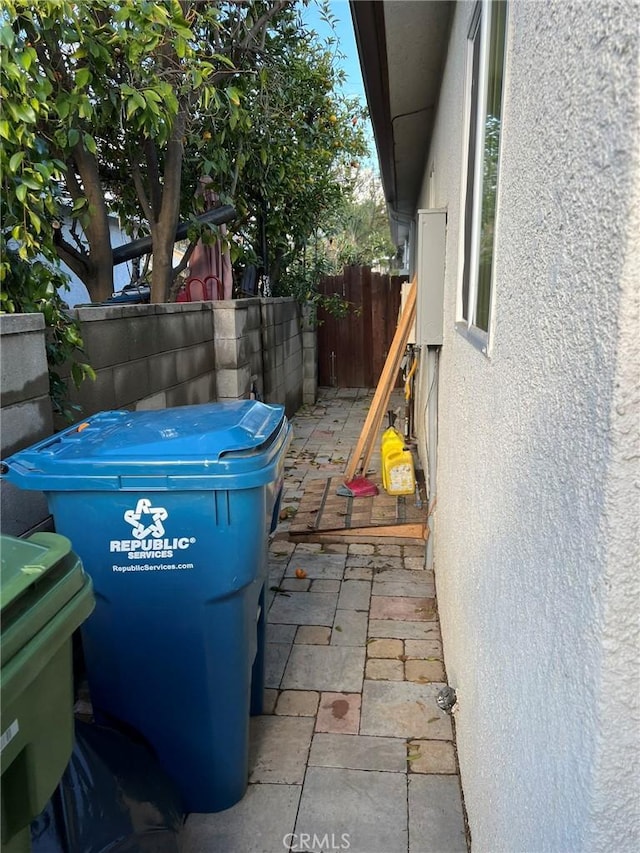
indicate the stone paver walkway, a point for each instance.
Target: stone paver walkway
{"x":352,"y":753}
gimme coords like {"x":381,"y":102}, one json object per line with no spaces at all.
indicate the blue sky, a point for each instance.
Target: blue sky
{"x":348,"y":61}
{"x":346,"y":41}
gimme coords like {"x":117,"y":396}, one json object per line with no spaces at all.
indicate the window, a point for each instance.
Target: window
{"x":485,"y":71}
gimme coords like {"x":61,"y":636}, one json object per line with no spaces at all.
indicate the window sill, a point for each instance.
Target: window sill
{"x":478,"y":338}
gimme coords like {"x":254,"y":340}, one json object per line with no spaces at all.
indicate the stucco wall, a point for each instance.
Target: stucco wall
{"x":537,"y":514}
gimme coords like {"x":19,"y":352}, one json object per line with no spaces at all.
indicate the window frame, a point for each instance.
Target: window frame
{"x":479,"y":33}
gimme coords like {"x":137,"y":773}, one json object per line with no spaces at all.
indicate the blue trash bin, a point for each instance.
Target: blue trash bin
{"x":170,"y":512}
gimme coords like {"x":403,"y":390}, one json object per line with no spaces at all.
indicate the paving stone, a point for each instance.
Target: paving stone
{"x":317,"y":565}
{"x":358,"y":574}
{"x":308,"y":548}
{"x":313,"y":635}
{"x":330,"y":668}
{"x":386,"y":670}
{"x":415,"y":551}
{"x":369,"y":808}
{"x":424,"y":670}
{"x":423,"y":649}
{"x":295,"y":584}
{"x":335,"y":548}
{"x":410,"y":589}
{"x":304,"y":608}
{"x":435,"y":815}
{"x":375,"y":562}
{"x":275,"y":660}
{"x":402,"y":608}
{"x":280,"y":547}
{"x":278,"y":749}
{"x":390,"y":550}
{"x":281,"y":633}
{"x":403,"y":630}
{"x":415,"y":563}
{"x":403,"y":709}
{"x":356,"y":548}
{"x":350,"y":628}
{"x":256,"y":824}
{"x":358,"y":752}
{"x":354,"y":595}
{"x":385,"y":648}
{"x":431,"y":756}
{"x":339,"y":713}
{"x":270,"y":697}
{"x":324,"y":585}
{"x":298,"y":703}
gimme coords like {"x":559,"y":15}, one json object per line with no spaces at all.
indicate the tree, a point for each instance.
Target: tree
{"x":116,"y":88}
{"x":359,"y":230}
{"x":123,"y":106}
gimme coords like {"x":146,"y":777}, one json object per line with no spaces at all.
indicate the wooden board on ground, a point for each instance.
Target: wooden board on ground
{"x":324,"y":516}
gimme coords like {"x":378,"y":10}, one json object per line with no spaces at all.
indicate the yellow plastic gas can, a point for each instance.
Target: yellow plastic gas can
{"x":398,"y":475}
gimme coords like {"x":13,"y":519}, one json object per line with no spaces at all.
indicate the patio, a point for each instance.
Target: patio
{"x":352,"y":751}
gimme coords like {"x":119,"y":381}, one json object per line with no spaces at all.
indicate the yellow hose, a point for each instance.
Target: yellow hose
{"x":407,"y":384}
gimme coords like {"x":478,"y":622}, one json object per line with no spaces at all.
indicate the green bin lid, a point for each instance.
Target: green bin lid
{"x":38,"y":577}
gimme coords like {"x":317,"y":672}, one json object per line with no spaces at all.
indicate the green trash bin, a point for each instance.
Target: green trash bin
{"x":44,"y":596}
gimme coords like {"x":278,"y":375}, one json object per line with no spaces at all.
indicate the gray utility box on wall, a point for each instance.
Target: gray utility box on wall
{"x":431,"y":232}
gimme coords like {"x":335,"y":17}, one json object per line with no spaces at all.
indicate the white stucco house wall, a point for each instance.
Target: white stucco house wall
{"x":529,"y":407}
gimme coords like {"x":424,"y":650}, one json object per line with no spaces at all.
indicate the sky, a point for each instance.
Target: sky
{"x":346,"y":39}
{"x":349,"y":62}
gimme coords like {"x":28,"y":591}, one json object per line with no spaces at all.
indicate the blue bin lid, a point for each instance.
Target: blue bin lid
{"x":237,"y":442}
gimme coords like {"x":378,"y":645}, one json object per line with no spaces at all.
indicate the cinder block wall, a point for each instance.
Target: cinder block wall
{"x":152,"y":357}
{"x":282,"y":352}
{"x":25,"y":413}
{"x":147,"y":356}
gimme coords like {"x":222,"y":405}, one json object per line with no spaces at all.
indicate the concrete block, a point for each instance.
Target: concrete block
{"x":25,"y":423}
{"x":202,"y":389}
{"x":292,"y":327}
{"x":229,"y":319}
{"x":106,"y":341}
{"x":268,"y":337}
{"x":233,"y":384}
{"x":308,"y":318}
{"x":309,"y":340}
{"x":279,"y":333}
{"x":23,"y":361}
{"x":268,"y":312}
{"x":98,"y":313}
{"x":309,"y":391}
{"x":141,"y":336}
{"x":95,"y":395}
{"x":230,"y":352}
{"x":194,"y":361}
{"x":254,"y":341}
{"x":162,"y":372}
{"x":156,"y":401}
{"x":181,"y":307}
{"x":131,"y":382}
{"x":21,"y":511}
{"x":254,"y":316}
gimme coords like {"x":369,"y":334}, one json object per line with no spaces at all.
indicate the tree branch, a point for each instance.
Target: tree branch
{"x":185,"y":258}
{"x":262,"y":21}
{"x":140,"y":192}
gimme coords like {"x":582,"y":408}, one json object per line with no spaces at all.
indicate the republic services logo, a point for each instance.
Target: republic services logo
{"x":146,"y":520}
{"x":148,"y":534}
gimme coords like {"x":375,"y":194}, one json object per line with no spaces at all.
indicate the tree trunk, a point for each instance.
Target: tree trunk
{"x":99,"y":270}
{"x":164,"y":228}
